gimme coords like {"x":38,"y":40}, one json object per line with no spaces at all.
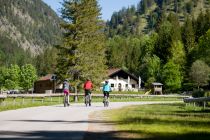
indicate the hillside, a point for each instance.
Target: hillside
{"x":144,"y":17}
{"x":26,"y":26}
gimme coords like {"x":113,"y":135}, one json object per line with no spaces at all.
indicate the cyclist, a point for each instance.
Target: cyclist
{"x":88,"y":87}
{"x":106,"y":89}
{"x":66,"y":92}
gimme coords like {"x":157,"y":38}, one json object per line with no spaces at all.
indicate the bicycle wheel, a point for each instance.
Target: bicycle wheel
{"x":86,"y":100}
{"x":105,"y":100}
{"x":65,"y":101}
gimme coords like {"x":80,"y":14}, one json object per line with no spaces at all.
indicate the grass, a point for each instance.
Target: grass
{"x":10,"y":104}
{"x":162,"y":122}
{"x":122,"y":92}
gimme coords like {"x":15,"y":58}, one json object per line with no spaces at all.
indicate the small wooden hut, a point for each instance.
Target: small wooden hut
{"x":157,"y":88}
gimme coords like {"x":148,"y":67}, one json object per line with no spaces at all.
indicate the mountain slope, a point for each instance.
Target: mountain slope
{"x":144,"y":17}
{"x":27,"y":25}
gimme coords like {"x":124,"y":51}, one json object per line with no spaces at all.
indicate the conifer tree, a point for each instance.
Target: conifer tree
{"x":82,"y":54}
{"x":188,"y":37}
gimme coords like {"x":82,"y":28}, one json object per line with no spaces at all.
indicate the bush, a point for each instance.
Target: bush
{"x":187,"y":87}
{"x":198,"y":93}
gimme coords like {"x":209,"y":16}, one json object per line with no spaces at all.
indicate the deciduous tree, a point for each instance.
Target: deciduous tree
{"x":199,"y":73}
{"x":28,"y":75}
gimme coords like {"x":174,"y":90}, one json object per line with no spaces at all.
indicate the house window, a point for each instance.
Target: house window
{"x":112,"y":85}
{"x":133,"y":86}
{"x":126,"y":85}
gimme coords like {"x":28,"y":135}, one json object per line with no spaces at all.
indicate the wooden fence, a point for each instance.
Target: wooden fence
{"x":79,"y":95}
{"x":203,"y":100}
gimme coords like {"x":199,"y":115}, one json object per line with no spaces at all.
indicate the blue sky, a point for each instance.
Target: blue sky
{"x":108,"y":6}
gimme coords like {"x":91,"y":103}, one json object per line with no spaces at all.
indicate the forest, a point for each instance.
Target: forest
{"x":174,"y":50}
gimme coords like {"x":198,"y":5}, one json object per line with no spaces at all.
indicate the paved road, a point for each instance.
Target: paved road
{"x":51,"y":122}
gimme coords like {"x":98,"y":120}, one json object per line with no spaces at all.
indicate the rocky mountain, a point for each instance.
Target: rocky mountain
{"x":26,"y":25}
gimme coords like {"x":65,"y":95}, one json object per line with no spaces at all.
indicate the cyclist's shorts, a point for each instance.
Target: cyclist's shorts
{"x":106,"y":93}
{"x":65,"y":91}
{"x":87,"y":91}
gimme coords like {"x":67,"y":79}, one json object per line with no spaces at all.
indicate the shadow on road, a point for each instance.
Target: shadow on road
{"x":70,"y":122}
{"x":56,"y":135}
{"x":77,"y":135}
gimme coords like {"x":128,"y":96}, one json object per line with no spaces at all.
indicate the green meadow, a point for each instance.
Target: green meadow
{"x":162,"y":122}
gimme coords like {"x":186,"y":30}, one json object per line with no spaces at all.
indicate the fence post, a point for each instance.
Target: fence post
{"x":14,"y":102}
{"x":204,"y":105}
{"x":22,"y":100}
{"x":32,"y":99}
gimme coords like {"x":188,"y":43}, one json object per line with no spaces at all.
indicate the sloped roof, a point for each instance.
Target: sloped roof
{"x":46,"y":77}
{"x":157,"y":84}
{"x":114,"y":71}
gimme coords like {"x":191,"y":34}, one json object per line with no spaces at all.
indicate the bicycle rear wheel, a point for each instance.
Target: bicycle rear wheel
{"x":87,"y":100}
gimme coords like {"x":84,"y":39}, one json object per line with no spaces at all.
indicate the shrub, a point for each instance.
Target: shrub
{"x":198,"y":93}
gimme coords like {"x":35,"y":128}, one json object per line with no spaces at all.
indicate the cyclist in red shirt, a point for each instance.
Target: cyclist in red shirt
{"x":88,"y":87}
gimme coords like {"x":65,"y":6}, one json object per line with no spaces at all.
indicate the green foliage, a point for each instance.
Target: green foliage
{"x":28,"y":76}
{"x":3,"y":74}
{"x":82,"y":54}
{"x":188,"y":37}
{"x":199,"y":73}
{"x":15,"y":77}
{"x":171,"y":76}
{"x":204,"y":48}
{"x":146,"y":16}
{"x":46,"y":62}
{"x":178,"y":53}
{"x":175,"y":32}
{"x":12,"y":77}
{"x":151,"y":69}
{"x":162,"y":47}
{"x":124,"y":52}
{"x":201,"y":25}
{"x":198,"y":93}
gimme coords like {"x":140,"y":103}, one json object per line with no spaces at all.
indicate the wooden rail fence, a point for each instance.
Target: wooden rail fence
{"x":203,"y":100}
{"x":75,"y":96}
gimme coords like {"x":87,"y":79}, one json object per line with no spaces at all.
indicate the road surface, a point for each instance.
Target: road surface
{"x":52,"y":122}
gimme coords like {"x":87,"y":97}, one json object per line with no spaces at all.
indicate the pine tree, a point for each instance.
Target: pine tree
{"x":188,"y":37}
{"x":82,"y":54}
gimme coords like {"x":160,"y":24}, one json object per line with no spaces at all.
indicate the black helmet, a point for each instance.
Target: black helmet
{"x":106,"y":81}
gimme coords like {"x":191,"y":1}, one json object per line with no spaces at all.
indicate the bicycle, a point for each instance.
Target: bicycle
{"x":88,"y":99}
{"x":66,"y":99}
{"x":106,"y":101}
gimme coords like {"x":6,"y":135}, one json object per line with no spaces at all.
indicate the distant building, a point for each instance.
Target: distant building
{"x":47,"y":84}
{"x":157,"y":88}
{"x":121,"y":80}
